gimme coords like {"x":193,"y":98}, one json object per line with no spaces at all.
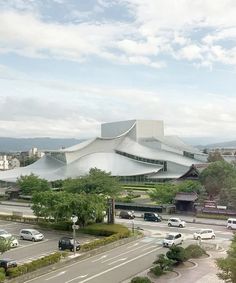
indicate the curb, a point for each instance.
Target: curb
{"x":63,"y":263}
{"x":16,"y":204}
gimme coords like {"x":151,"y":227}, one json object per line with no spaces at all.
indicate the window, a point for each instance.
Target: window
{"x":188,"y":154}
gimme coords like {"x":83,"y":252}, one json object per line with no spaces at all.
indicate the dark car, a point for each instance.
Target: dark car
{"x":127,"y":214}
{"x":67,"y":243}
{"x":7,"y":263}
{"x":151,"y":216}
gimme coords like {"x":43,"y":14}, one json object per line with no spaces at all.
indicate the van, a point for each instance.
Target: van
{"x":31,"y":234}
{"x":126,"y":214}
{"x":151,"y":216}
{"x":67,"y":243}
{"x":231,"y":223}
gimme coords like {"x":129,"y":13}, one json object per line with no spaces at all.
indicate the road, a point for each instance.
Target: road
{"x":125,"y":261}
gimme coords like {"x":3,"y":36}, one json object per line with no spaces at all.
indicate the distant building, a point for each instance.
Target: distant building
{"x":14,"y":163}
{"x":134,"y":150}
{"x":4,"y":164}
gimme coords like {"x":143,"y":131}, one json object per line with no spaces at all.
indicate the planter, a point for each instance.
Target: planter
{"x":186,"y":265}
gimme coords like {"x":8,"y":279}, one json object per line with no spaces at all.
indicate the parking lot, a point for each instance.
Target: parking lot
{"x":28,"y":250}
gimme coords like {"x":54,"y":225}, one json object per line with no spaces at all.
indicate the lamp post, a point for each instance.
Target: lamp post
{"x":74,"y":219}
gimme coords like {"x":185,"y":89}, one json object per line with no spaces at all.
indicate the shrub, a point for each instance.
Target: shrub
{"x":157,"y":270}
{"x":194,"y":251}
{"x":63,"y":226}
{"x":33,"y":265}
{"x":103,"y":229}
{"x":141,"y":280}
{"x":2,"y":277}
{"x":164,"y":262}
{"x":178,"y":254}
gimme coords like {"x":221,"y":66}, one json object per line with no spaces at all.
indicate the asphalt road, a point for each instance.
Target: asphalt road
{"x":125,"y":261}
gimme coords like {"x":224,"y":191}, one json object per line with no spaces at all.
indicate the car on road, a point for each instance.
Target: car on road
{"x":231,"y":223}
{"x":126,"y":214}
{"x":151,"y":216}
{"x":176,"y":222}
{"x":67,"y":243}
{"x":172,"y":239}
{"x":7,"y":263}
{"x":31,"y":234}
{"x":4,"y":235}
{"x":204,"y":234}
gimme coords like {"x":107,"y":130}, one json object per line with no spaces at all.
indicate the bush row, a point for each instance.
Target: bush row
{"x":112,"y":233}
{"x":35,"y":264}
{"x":63,"y":226}
{"x":2,"y":275}
{"x":212,"y":216}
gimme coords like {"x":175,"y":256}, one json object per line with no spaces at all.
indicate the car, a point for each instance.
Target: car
{"x":204,"y":234}
{"x":67,"y":243}
{"x":7,"y":236}
{"x":176,"y":222}
{"x":7,"y":263}
{"x":31,"y":234}
{"x":172,"y":239}
{"x":126,"y":214}
{"x":151,"y":216}
{"x":231,"y":223}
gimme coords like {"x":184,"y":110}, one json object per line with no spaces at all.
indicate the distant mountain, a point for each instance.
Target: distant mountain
{"x":25,"y":144}
{"x":228,"y":144}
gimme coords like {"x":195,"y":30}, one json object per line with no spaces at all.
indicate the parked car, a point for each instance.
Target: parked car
{"x":127,"y":214}
{"x":231,"y":223}
{"x":204,"y":234}
{"x":176,"y":222}
{"x":67,"y":243}
{"x":7,"y":263}
{"x":151,"y":216}
{"x":31,"y":234}
{"x":173,"y":239}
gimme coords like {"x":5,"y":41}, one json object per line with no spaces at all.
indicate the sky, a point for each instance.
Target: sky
{"x":66,"y":66}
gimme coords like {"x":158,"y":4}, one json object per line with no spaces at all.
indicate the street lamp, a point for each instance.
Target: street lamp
{"x":74,"y":219}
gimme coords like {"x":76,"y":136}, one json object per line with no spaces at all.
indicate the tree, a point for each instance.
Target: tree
{"x":163,"y":193}
{"x":190,"y":186}
{"x":96,"y":182}
{"x":218,"y":175}
{"x":227,"y":265}
{"x":215,"y":156}
{"x":32,"y":183}
{"x":59,"y":206}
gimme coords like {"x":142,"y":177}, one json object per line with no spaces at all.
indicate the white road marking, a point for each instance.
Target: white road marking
{"x":99,"y":258}
{"x":117,"y":266}
{"x":147,"y":248}
{"x":134,"y":245}
{"x":120,"y":259}
{"x":78,"y":277}
{"x":57,"y":275}
{"x":124,"y":253}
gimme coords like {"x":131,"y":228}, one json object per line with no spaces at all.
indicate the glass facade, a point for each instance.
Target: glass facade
{"x":146,"y":160}
{"x":58,"y":155}
{"x":188,"y":154}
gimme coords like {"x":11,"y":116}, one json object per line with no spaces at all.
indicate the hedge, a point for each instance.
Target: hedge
{"x":112,"y":233}
{"x":63,"y":226}
{"x":195,"y":251}
{"x":35,"y":264}
{"x":141,"y":280}
{"x":213,"y":216}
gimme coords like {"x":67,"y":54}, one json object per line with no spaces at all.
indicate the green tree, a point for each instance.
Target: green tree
{"x":218,"y":175}
{"x":32,"y":183}
{"x":163,"y":193}
{"x":96,"y":182}
{"x":190,"y":186}
{"x":60,"y":206}
{"x":227,"y":265}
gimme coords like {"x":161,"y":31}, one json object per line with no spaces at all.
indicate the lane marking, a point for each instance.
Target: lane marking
{"x":120,"y":259}
{"x":78,"y":277}
{"x":149,"y":248}
{"x":117,"y":266}
{"x":124,"y":253}
{"x":104,"y":256}
{"x":57,"y":275}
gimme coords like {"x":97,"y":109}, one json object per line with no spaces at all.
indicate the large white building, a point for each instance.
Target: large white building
{"x":136,"y":150}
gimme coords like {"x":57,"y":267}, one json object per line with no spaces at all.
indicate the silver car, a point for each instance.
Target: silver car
{"x":31,"y":234}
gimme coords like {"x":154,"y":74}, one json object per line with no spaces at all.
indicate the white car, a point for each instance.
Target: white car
{"x":176,"y":222}
{"x":31,"y":234}
{"x":204,"y":234}
{"x":8,"y":237}
{"x":172,"y":239}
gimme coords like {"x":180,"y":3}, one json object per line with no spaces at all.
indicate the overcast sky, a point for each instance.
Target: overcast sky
{"x":66,"y":66}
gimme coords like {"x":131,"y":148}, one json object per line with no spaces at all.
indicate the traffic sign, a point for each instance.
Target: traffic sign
{"x":76,"y":227}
